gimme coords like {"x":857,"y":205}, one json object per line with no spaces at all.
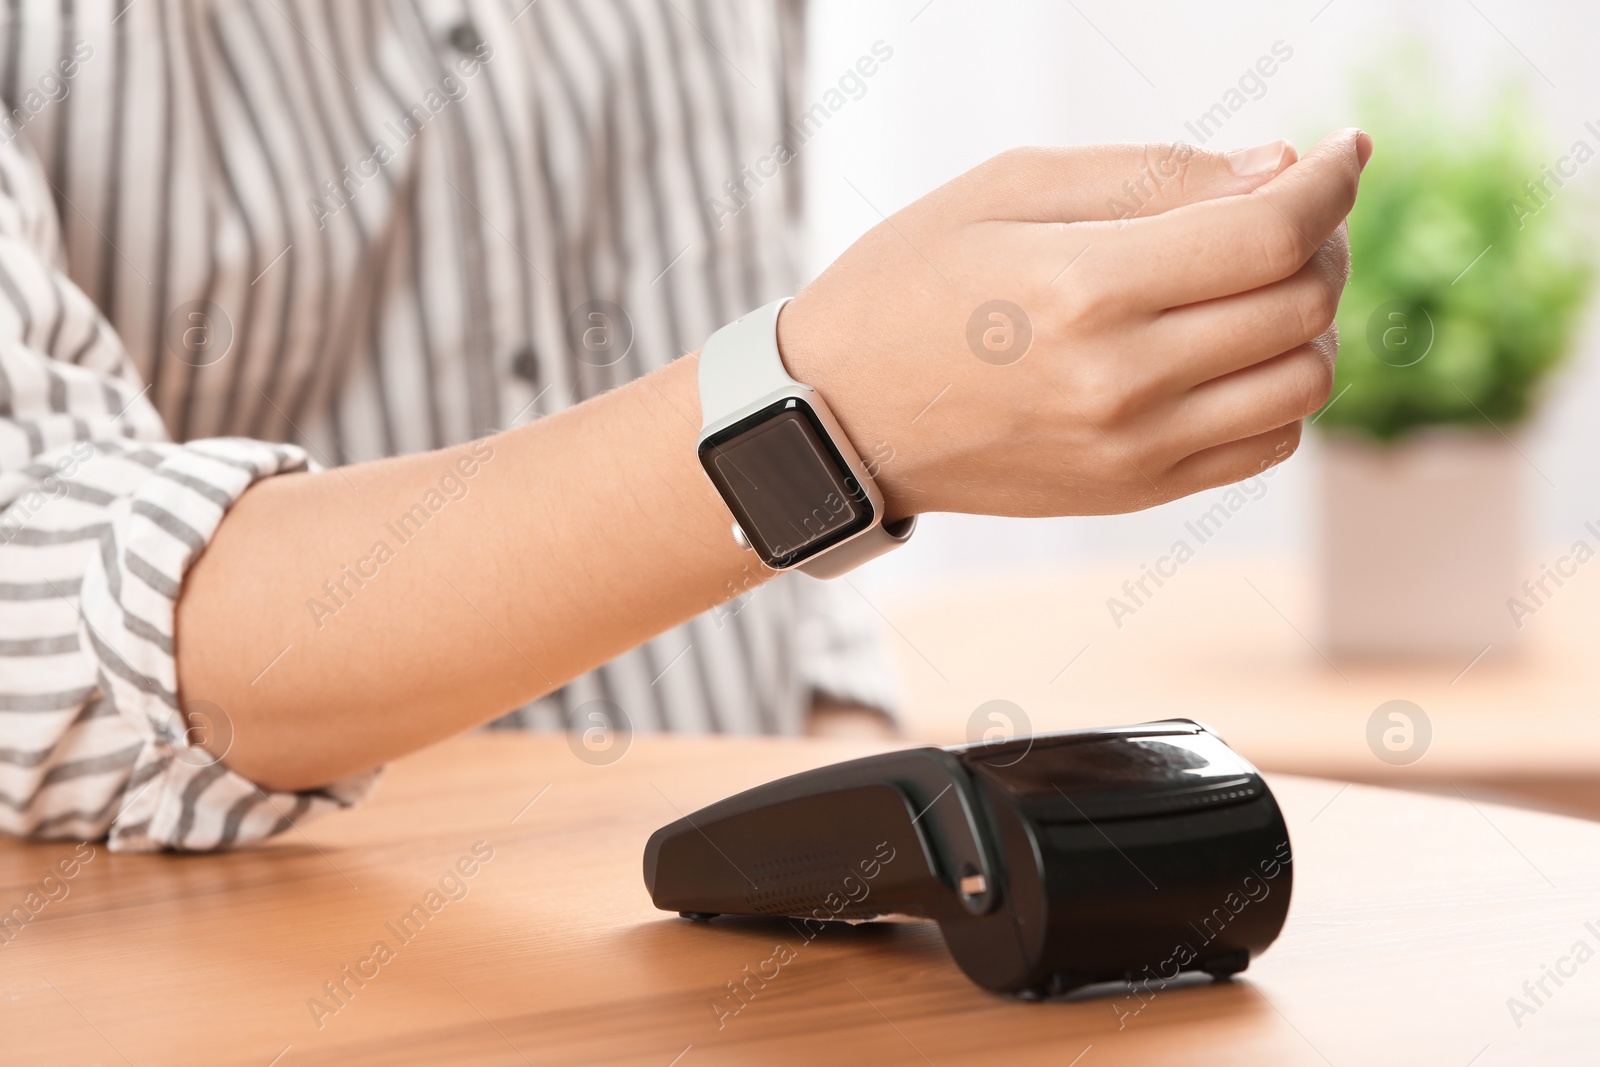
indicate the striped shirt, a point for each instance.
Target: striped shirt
{"x":245,"y":237}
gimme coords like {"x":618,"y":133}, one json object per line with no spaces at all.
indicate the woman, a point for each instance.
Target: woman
{"x":313,"y":235}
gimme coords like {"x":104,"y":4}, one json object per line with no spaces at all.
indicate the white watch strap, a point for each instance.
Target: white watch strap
{"x":740,"y":366}
{"x":740,"y":372}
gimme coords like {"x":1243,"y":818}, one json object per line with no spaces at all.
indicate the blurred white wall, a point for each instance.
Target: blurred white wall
{"x":969,"y":78}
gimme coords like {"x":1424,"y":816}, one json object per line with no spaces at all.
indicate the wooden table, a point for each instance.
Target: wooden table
{"x":1414,"y":919}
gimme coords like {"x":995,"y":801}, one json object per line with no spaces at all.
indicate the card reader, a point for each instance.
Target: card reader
{"x":1050,"y":862}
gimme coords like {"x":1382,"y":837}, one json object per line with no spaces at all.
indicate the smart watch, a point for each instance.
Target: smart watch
{"x":799,"y":493}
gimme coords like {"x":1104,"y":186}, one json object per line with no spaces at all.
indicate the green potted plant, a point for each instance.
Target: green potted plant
{"x":1469,"y":276}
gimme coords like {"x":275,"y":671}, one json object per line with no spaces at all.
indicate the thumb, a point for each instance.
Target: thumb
{"x":1116,"y":181}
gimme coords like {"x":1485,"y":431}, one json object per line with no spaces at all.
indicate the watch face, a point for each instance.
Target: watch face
{"x":785,"y":482}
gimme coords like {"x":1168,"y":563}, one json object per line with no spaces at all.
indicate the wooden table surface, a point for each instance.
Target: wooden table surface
{"x":1414,"y":919}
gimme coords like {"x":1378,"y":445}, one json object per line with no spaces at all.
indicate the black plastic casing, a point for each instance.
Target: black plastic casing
{"x":1049,"y":862}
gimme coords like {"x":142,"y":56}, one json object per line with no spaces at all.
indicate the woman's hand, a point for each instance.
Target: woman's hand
{"x":1086,"y":330}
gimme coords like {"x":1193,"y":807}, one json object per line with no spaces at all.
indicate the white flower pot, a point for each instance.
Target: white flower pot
{"x":1420,"y":544}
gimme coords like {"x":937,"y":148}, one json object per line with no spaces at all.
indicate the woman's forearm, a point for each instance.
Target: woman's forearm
{"x":401,"y":601}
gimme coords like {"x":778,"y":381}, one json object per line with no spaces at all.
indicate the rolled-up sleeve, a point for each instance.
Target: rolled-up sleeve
{"x":102,"y":517}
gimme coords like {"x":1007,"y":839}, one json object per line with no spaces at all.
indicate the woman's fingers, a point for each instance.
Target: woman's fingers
{"x":1215,"y":248}
{"x":1202,"y":341}
{"x":1262,"y":398}
{"x":1112,"y":182}
{"x":1235,"y":461}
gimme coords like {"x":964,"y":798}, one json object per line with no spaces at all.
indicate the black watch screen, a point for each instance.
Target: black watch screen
{"x":786,"y":483}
